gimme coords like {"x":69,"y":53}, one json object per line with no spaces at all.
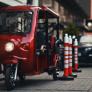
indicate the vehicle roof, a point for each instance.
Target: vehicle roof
{"x":49,"y":12}
{"x":18,"y":8}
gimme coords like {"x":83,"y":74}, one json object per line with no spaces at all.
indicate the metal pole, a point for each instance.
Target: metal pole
{"x":58,"y":28}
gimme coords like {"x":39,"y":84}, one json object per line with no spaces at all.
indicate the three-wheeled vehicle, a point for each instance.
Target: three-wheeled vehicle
{"x":27,"y":42}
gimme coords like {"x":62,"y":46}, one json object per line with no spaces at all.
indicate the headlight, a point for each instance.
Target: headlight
{"x":9,"y":46}
{"x":88,"y":49}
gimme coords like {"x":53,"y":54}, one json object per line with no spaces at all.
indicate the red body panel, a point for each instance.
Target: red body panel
{"x":25,"y":46}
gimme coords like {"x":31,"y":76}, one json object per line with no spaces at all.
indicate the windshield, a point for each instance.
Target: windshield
{"x":86,"y":40}
{"x":15,"y":22}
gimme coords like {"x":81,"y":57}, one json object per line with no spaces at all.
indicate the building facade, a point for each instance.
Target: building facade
{"x":69,"y":10}
{"x":85,"y":6}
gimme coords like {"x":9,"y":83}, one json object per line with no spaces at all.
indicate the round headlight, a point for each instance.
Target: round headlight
{"x":9,"y":46}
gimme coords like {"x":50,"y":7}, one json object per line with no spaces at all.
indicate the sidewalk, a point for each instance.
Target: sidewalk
{"x":45,"y":83}
{"x":83,"y":83}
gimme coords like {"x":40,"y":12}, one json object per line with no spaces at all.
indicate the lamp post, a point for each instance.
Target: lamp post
{"x":89,"y":24}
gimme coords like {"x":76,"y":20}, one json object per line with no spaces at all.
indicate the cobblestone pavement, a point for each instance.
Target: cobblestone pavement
{"x":44,"y":83}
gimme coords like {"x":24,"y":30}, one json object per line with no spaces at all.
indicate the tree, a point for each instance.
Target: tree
{"x":72,"y":29}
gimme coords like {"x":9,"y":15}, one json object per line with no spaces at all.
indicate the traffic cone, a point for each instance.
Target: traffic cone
{"x":70,"y":58}
{"x":76,"y":57}
{"x":66,"y":60}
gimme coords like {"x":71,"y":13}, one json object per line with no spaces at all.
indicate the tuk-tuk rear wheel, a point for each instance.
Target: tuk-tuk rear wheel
{"x":55,"y":77}
{"x":55,"y":74}
{"x":21,"y":77}
{"x":9,"y":77}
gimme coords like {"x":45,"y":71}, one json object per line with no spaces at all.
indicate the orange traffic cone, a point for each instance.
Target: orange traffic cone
{"x":70,"y":58}
{"x":66,"y":60}
{"x":76,"y":57}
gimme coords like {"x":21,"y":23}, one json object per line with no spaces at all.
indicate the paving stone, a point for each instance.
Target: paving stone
{"x":45,"y":83}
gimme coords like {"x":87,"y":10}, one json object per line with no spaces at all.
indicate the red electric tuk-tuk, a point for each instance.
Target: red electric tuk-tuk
{"x":27,"y":42}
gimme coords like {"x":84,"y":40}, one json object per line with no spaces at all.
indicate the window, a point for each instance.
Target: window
{"x":15,"y":22}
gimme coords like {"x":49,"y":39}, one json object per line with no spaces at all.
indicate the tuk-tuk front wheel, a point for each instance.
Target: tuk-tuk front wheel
{"x":10,"y":76}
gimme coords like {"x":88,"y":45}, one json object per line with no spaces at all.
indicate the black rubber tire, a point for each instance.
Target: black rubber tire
{"x":21,"y":77}
{"x":55,"y":75}
{"x":9,"y":78}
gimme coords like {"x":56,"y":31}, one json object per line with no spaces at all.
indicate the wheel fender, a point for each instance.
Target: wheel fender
{"x":13,"y":61}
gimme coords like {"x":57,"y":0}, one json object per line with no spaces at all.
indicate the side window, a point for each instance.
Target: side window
{"x":16,"y":22}
{"x":28,"y":21}
{"x":24,"y":22}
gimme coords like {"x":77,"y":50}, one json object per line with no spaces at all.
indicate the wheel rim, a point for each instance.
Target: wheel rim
{"x":12,"y":81}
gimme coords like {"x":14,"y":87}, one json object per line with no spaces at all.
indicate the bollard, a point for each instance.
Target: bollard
{"x":76,"y":57}
{"x":70,"y":58}
{"x":66,"y":60}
